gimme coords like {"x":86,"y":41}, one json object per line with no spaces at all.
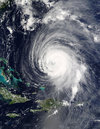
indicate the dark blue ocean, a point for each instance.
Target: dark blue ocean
{"x":22,"y":42}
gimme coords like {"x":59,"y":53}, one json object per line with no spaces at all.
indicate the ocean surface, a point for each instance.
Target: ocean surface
{"x":54,"y":45}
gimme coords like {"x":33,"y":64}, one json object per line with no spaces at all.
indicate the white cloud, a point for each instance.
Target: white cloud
{"x":96,"y":38}
{"x":10,"y":29}
{"x":27,"y":10}
{"x":80,"y":104}
{"x":65,"y":103}
{"x":56,"y":14}
{"x":54,"y":113}
{"x":47,"y":3}
{"x":2,"y":1}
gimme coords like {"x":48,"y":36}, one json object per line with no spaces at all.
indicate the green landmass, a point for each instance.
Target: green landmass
{"x":7,"y":95}
{"x":48,"y":104}
{"x":9,"y":78}
{"x":5,"y":4}
{"x":12,"y":115}
{"x":36,"y":110}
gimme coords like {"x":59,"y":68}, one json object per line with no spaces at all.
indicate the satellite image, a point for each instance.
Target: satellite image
{"x":49,"y":64}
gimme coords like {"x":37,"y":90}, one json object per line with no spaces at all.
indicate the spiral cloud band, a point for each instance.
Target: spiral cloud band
{"x":60,"y":52}
{"x":56,"y":54}
{"x":52,"y":53}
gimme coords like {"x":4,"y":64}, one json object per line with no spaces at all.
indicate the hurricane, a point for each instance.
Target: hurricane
{"x":61,"y":55}
{"x":56,"y":54}
{"x":59,"y":49}
{"x":52,"y":54}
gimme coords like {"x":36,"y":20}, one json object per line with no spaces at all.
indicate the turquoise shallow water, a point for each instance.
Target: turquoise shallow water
{"x":28,"y":98}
